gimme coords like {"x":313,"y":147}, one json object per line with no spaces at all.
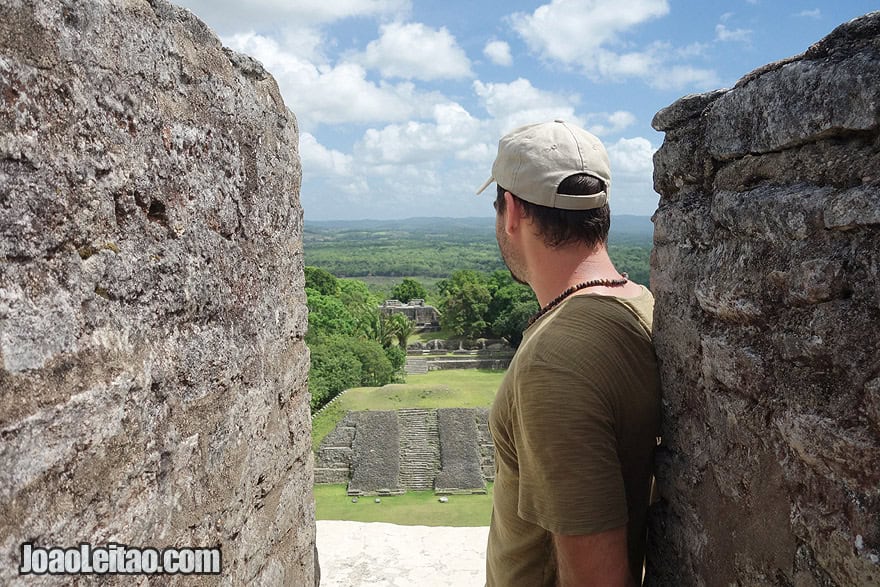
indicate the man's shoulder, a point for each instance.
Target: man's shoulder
{"x":582,"y":315}
{"x":587,"y":333}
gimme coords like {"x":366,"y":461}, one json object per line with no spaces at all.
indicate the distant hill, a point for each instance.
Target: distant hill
{"x":625,"y":228}
{"x":423,"y":229}
{"x":436,"y":247}
{"x":632,"y":228}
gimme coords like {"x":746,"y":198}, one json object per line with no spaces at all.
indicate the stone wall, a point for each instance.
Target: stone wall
{"x":152,"y":365}
{"x":465,"y":363}
{"x":766,"y":270}
{"x":333,"y":462}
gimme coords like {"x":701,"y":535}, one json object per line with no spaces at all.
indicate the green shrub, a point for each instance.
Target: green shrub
{"x":334,"y":368}
{"x":397,"y":356}
{"x":376,"y":368}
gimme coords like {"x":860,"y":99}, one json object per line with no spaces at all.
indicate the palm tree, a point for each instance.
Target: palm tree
{"x":402,"y":328}
{"x":373,"y":325}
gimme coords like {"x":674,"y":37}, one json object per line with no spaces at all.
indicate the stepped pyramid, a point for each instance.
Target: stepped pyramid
{"x":389,"y":452}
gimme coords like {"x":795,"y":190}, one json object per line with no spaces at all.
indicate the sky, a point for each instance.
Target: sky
{"x":400,"y":103}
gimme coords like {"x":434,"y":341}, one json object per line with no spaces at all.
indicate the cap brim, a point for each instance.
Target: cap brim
{"x":487,"y":183}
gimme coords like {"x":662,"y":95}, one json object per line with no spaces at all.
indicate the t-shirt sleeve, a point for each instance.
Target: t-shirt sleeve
{"x":570,"y":478}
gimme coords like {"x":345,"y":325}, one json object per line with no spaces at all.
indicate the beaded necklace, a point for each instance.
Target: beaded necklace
{"x":561,"y":297}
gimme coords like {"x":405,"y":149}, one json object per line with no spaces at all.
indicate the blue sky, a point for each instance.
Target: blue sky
{"x":401,"y":103}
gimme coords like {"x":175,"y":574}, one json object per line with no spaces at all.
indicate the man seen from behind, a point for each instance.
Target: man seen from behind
{"x":576,"y":417}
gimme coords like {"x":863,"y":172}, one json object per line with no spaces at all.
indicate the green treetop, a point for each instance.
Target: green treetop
{"x":408,"y":289}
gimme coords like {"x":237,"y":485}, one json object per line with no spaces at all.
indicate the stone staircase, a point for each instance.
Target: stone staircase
{"x":487,"y":447}
{"x":416,"y":366}
{"x":333,"y":460}
{"x":419,"y":448}
{"x":411,"y":449}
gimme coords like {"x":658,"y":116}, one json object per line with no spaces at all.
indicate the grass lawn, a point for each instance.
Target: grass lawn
{"x":430,"y":335}
{"x":414,"y":508}
{"x":452,"y":388}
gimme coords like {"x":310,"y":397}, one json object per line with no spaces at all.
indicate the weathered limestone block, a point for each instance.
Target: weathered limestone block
{"x":684,"y":121}
{"x":375,"y":466}
{"x":152,"y":365}
{"x":731,"y":303}
{"x":738,"y":369}
{"x":872,"y":403}
{"x":682,"y":222}
{"x":812,"y":282}
{"x":850,"y":209}
{"x":785,"y":107}
{"x":768,"y":212}
{"x":460,"y":467}
{"x":766,"y":272}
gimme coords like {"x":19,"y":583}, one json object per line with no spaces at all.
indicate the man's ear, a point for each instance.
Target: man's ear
{"x":513,"y":213}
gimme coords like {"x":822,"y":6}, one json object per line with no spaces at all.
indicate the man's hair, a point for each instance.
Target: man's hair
{"x":559,"y":227}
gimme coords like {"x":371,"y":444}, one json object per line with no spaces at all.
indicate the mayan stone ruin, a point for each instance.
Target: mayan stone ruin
{"x":152,"y":365}
{"x":448,"y":450}
{"x":766,"y":270}
{"x":423,"y":316}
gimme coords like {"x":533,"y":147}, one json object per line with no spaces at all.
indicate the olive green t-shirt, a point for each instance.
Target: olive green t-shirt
{"x":574,"y":423}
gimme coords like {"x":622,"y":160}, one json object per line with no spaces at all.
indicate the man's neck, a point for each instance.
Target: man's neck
{"x":553,"y":271}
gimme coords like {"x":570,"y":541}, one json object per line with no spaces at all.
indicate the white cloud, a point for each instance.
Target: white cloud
{"x":307,"y":43}
{"x":453,"y":129}
{"x":632,"y":168}
{"x":653,"y":66}
{"x":682,"y":76}
{"x":815,"y":14}
{"x":724,"y":34}
{"x":498,"y":53}
{"x":692,"y":50}
{"x":572,"y":31}
{"x":477,"y":152}
{"x":230,"y":15}
{"x":333,"y":94}
{"x":416,"y":51}
{"x":604,"y":124}
{"x":519,"y":102}
{"x":587,"y":34}
{"x":635,"y":64}
{"x":297,"y":50}
{"x":333,"y":172}
{"x":318,"y":160}
{"x":631,"y":156}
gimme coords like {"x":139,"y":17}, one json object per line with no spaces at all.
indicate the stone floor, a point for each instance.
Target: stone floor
{"x":355,"y":554}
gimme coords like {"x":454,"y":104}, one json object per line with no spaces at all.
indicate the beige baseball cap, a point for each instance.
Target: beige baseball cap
{"x":533,"y":160}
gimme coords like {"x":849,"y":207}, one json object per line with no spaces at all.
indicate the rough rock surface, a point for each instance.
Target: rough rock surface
{"x":375,"y":460}
{"x":459,"y":451}
{"x":766,"y":270}
{"x":152,"y":367}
